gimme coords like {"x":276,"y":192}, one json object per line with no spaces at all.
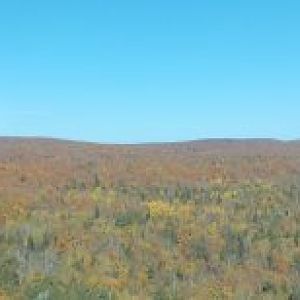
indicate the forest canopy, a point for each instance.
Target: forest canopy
{"x":197,"y":220}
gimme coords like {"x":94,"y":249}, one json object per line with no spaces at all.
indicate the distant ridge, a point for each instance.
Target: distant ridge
{"x":192,"y":141}
{"x":45,"y":161}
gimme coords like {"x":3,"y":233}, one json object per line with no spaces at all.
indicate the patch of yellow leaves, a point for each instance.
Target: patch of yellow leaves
{"x":160,"y":209}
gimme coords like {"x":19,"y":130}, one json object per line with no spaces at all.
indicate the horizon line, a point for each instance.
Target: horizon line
{"x":180,"y":141}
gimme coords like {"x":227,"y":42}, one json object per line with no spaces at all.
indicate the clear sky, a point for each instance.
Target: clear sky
{"x":159,"y":70}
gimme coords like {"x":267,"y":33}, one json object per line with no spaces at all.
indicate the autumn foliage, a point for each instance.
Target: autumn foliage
{"x":198,"y":220}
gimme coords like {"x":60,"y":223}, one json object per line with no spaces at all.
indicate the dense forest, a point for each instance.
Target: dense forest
{"x":215,"y":219}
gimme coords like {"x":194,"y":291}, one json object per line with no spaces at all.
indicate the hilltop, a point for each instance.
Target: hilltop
{"x":37,"y":161}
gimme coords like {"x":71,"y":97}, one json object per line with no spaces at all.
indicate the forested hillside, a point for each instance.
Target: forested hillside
{"x":215,"y":219}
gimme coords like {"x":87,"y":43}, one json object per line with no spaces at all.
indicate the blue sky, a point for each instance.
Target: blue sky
{"x":136,"y":71}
